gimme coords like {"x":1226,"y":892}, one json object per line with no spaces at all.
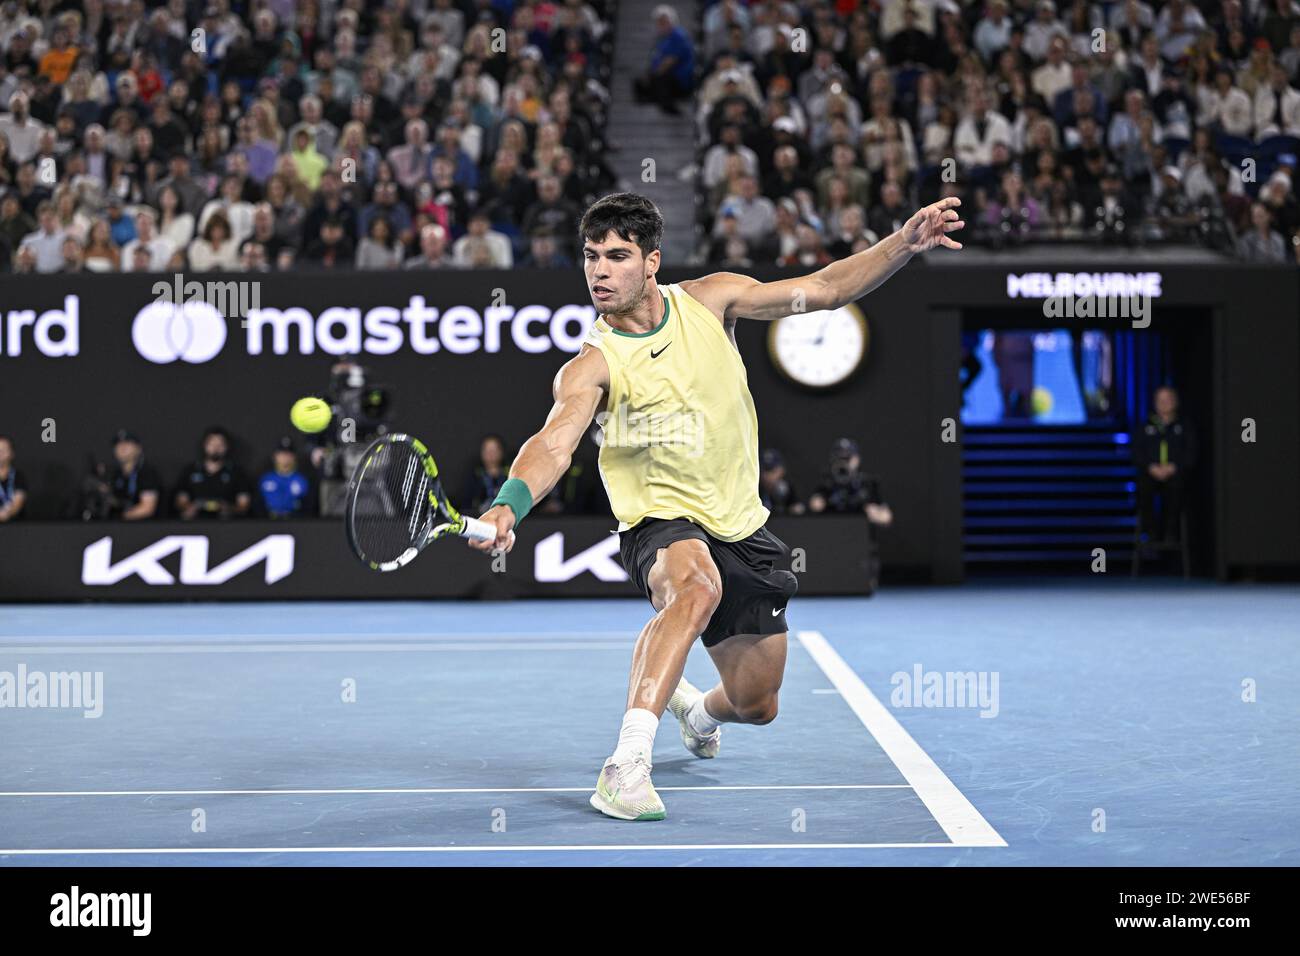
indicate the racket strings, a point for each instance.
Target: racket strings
{"x":391,"y":508}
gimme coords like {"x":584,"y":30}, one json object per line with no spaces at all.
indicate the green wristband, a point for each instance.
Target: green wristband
{"x":515,"y":493}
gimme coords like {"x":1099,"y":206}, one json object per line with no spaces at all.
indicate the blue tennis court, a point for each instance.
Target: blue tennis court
{"x":1098,"y":723}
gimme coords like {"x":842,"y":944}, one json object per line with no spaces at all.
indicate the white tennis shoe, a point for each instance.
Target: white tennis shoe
{"x":683,"y":698}
{"x":624,"y":790}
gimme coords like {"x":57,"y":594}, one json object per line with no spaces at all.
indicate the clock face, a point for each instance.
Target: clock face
{"x":819,"y":349}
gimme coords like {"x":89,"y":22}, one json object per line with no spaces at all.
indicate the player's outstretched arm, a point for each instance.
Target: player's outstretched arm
{"x":579,"y":391}
{"x":735,"y":296}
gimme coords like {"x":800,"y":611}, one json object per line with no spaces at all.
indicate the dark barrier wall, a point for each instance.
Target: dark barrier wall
{"x":466,"y":369}
{"x":553,"y":557}
{"x":468,"y":353}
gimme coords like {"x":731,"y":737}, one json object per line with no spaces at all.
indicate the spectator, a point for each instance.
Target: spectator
{"x":756,"y":214}
{"x":1172,"y":217}
{"x":993,"y":32}
{"x":217,"y":250}
{"x":483,"y":247}
{"x":809,"y":253}
{"x":672,"y":64}
{"x":1262,"y":243}
{"x":1164,"y":451}
{"x":213,"y":486}
{"x":47,"y":242}
{"x":332,"y":249}
{"x":175,"y":226}
{"x":121,"y":226}
{"x":1054,"y":75}
{"x":1226,"y":106}
{"x":13,"y":485}
{"x":158,"y":250}
{"x":237,"y":211}
{"x":379,"y":250}
{"x":324,"y":134}
{"x":284,"y":489}
{"x":101,"y":252}
{"x":1277,"y":107}
{"x":20,"y":130}
{"x":978,"y":131}
{"x":73,"y":259}
{"x":330,"y":203}
{"x":15,"y":223}
{"x":553,"y":211}
{"x":191,"y":195}
{"x":488,"y":475}
{"x":544,"y":252}
{"x":731,"y":144}
{"x":889,"y":216}
{"x":1276,"y":194}
{"x":308,"y":162}
{"x":412,"y":160}
{"x":433,"y":250}
{"x":1042,"y":32}
{"x":287,"y":211}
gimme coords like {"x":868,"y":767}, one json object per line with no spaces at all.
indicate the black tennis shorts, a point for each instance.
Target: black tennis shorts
{"x":754,"y":590}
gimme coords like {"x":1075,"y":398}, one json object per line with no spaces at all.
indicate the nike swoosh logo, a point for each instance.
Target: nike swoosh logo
{"x":778,"y":611}
{"x":654,"y":354}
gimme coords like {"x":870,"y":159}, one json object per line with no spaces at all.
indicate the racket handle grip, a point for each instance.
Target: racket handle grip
{"x":478,"y":530}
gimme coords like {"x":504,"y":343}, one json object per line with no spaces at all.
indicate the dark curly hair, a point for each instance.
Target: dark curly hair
{"x":634,"y":218}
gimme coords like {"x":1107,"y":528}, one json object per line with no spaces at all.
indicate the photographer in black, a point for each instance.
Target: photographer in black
{"x":844,"y":489}
{"x":361,"y":413}
{"x":213,"y":486}
{"x":130,"y":490}
{"x":774,"y":488}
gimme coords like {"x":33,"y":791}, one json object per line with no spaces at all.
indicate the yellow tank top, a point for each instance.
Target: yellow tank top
{"x":680,"y":432}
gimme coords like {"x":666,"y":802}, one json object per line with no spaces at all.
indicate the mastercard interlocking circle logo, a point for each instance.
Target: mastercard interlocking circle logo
{"x":191,"y":332}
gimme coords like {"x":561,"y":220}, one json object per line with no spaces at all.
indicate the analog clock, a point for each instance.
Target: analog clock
{"x":819,"y":349}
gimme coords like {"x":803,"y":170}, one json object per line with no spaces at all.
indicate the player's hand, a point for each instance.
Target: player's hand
{"x":504,"y":519}
{"x":930,"y":226}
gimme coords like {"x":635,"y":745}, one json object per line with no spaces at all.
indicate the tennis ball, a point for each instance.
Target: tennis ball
{"x":1040,"y":400}
{"x":310,"y":415}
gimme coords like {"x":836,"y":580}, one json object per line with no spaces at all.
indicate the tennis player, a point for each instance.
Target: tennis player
{"x":661,"y":372}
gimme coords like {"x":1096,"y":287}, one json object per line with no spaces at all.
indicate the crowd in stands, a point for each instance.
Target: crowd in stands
{"x":824,"y":125}
{"x":204,"y":135}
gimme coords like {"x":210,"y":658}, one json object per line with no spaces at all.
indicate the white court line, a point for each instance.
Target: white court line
{"x":340,"y":648}
{"x":351,"y":791}
{"x":958,"y":818}
{"x":474,"y":849}
{"x":949,"y":806}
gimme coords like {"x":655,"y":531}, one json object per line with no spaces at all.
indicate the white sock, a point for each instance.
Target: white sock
{"x":637,"y":735}
{"x":699,"y":719}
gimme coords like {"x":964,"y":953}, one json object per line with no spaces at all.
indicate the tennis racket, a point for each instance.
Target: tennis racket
{"x":395,"y":502}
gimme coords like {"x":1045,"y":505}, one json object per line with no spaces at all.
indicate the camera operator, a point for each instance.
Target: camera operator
{"x":361,"y":413}
{"x":130,"y":490}
{"x":214,"y":486}
{"x":845,"y":488}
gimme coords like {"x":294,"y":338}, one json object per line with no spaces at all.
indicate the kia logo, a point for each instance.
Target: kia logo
{"x":193,"y":332}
